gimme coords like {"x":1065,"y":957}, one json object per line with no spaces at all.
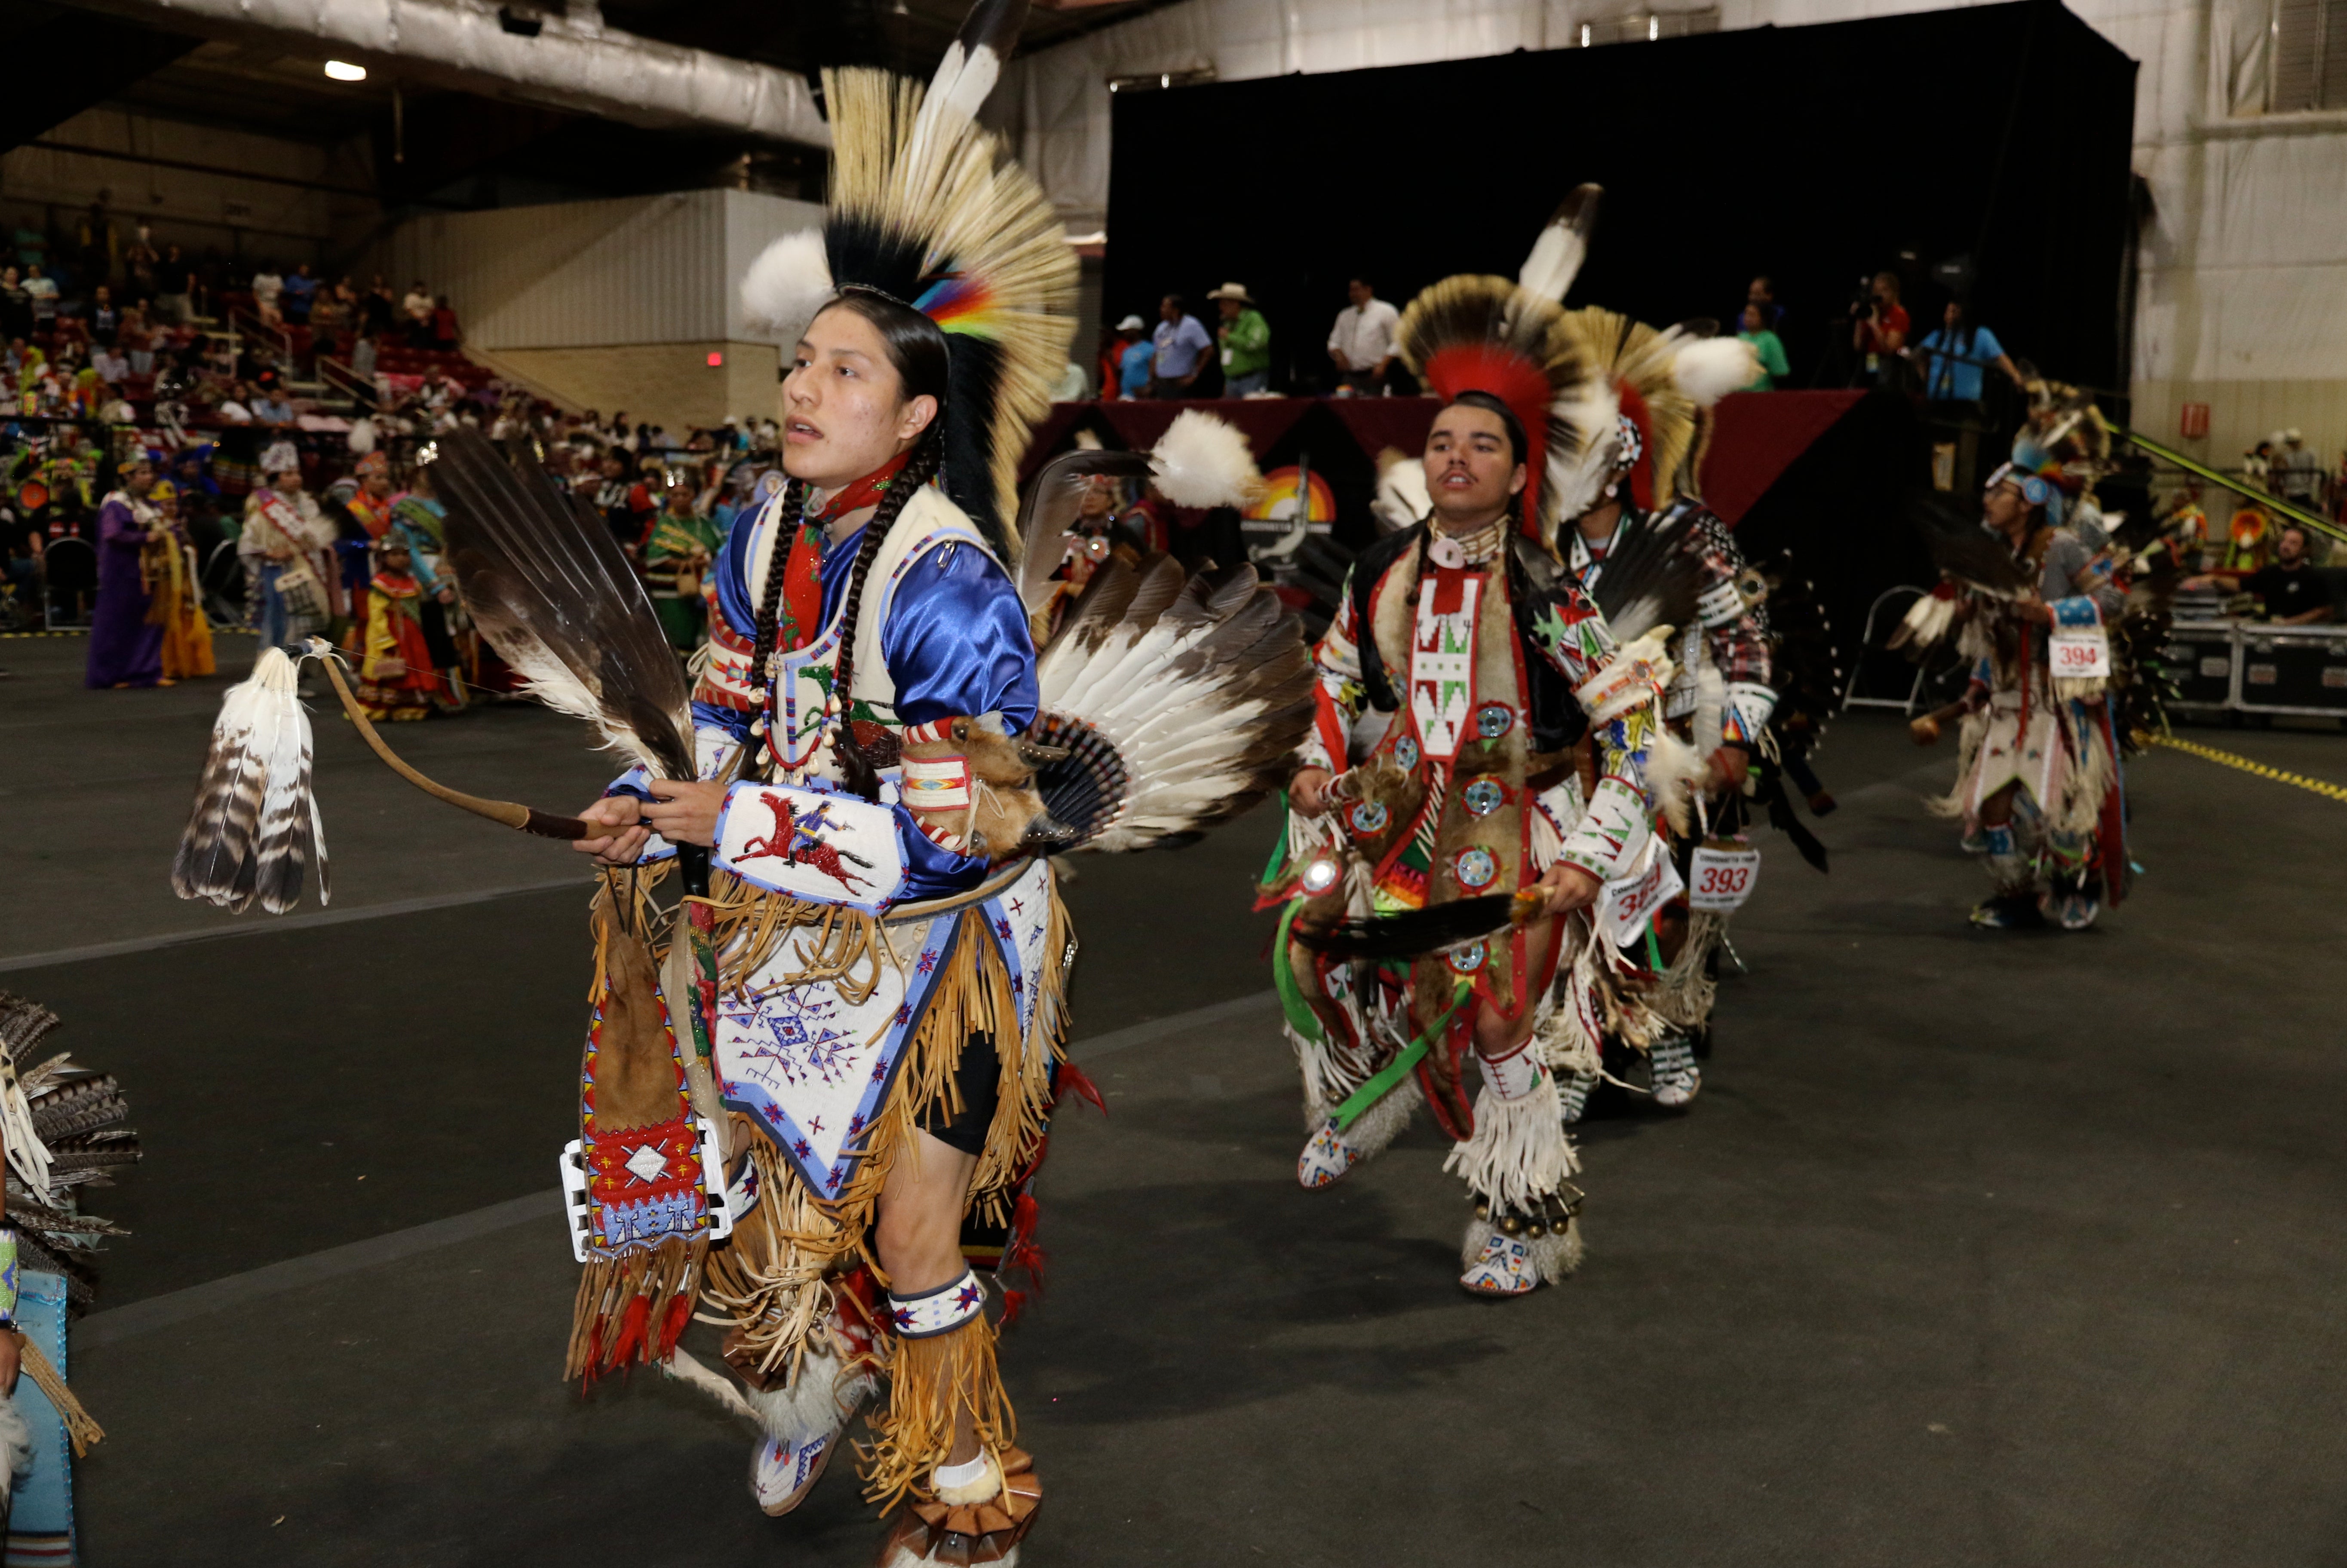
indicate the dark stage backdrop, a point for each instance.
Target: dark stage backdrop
{"x":1814,"y":154}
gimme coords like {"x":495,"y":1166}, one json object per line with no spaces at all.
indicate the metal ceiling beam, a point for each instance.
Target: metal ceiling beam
{"x":562,"y":61}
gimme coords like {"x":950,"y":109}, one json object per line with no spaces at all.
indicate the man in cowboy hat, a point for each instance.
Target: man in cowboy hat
{"x":1246,"y":343}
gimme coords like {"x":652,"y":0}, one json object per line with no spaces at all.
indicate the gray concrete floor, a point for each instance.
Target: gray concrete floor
{"x":1976,"y":1250}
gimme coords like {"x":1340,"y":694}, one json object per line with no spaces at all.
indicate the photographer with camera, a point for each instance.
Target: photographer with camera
{"x":1879,"y":329}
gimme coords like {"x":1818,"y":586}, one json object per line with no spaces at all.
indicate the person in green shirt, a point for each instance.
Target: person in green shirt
{"x":1766,"y":345}
{"x":1245,"y":342}
{"x":676,"y":558}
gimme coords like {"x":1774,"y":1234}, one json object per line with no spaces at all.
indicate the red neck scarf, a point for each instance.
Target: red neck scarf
{"x":801,"y":611}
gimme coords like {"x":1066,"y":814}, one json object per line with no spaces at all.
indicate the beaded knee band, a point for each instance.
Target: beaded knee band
{"x":939,"y":1311}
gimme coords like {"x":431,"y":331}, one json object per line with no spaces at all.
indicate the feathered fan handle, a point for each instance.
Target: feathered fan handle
{"x":1414,"y":933}
{"x":527,"y":819}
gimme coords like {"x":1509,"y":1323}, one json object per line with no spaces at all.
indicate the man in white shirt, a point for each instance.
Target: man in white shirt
{"x":1361,"y":344}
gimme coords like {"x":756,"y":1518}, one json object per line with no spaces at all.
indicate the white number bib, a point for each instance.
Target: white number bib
{"x":2081,"y":653}
{"x":1723,"y":878}
{"x":1629,"y":902}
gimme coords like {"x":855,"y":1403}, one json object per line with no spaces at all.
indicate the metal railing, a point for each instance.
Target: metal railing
{"x":339,"y":378}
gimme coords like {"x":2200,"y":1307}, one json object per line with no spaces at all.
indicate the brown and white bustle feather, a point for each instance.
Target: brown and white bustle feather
{"x":544,"y":581}
{"x":1179,"y":699}
{"x":256,"y":827}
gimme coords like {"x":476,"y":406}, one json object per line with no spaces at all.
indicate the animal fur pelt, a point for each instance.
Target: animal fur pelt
{"x":1006,"y":815}
{"x":256,"y":827}
{"x":543,"y":580}
{"x":1177,"y":701}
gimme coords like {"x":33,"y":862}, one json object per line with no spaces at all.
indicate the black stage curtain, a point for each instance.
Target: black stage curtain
{"x":1814,"y":154}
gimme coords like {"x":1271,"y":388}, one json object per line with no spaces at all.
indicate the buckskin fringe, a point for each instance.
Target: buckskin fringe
{"x":931,"y":1381}
{"x":632,"y":1308}
{"x":771,"y":1278}
{"x":1683,"y":993}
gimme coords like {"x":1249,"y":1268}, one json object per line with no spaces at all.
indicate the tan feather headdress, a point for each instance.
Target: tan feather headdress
{"x":926,"y":208}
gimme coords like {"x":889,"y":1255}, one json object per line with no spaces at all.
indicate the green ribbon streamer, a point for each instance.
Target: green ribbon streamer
{"x":1300,"y":1016}
{"x":1369,"y":1093}
{"x":1278,"y":846}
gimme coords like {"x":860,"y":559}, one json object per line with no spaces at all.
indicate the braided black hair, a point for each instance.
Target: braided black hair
{"x":770,"y":602}
{"x":916,"y":348}
{"x":920,"y":468}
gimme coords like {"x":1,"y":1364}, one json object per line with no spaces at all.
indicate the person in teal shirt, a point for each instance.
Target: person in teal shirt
{"x":1245,"y":342}
{"x":1766,"y":344}
{"x":1951,"y":358}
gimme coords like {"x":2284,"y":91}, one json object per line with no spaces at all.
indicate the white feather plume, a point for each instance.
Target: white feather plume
{"x":1402,"y":498}
{"x":1708,"y":369}
{"x":1580,"y":480}
{"x":1203,"y":461}
{"x":255,"y":827}
{"x":1675,"y":771}
{"x":1556,"y":256}
{"x":788,"y":283}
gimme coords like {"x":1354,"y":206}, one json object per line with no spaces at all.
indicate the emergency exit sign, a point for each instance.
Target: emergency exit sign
{"x":2195,"y":421}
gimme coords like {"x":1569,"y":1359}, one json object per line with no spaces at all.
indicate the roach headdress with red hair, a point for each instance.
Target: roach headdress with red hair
{"x":1479,"y":333}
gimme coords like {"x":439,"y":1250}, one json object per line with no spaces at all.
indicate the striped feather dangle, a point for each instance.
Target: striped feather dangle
{"x":256,"y":827}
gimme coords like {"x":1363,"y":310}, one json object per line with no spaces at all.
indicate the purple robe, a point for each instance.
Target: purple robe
{"x":123,"y":647}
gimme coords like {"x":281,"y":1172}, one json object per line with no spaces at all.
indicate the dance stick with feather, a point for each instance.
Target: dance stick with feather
{"x":528,"y":819}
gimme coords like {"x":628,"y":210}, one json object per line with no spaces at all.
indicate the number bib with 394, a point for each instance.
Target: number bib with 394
{"x":1721,"y":877}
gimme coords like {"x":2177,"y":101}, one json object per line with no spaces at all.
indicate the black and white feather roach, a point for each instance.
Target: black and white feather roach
{"x":256,"y":828}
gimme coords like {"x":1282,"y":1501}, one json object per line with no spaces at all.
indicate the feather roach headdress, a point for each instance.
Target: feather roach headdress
{"x":926,"y":208}
{"x":1481,"y":334}
{"x":1475,"y":333}
{"x":1660,"y":382}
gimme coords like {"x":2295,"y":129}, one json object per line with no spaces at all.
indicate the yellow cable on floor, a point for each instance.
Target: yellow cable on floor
{"x":2320,"y":786}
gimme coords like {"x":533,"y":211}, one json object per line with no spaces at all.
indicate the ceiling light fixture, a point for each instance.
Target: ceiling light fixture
{"x":343,"y":71}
